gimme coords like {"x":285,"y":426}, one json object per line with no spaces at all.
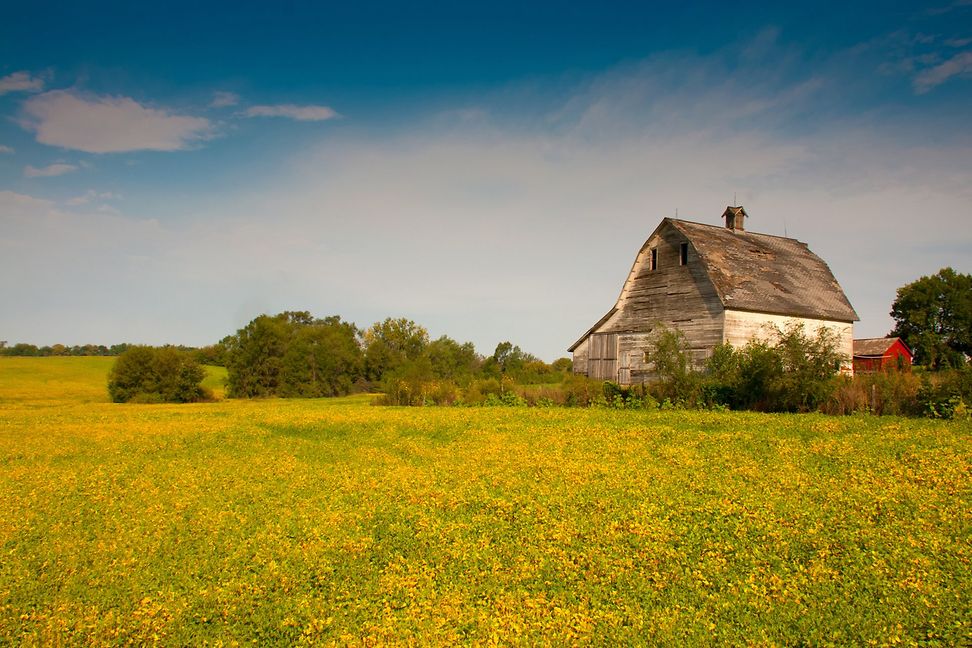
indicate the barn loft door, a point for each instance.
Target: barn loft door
{"x":602,"y":361}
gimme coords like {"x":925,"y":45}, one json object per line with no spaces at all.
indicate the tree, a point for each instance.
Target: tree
{"x":292,"y":354}
{"x":510,"y":359}
{"x":563,"y":365}
{"x":450,"y":360}
{"x":323,"y":358}
{"x":161,"y":375}
{"x":390,"y":343}
{"x":933,"y":315}
{"x":254,"y":357}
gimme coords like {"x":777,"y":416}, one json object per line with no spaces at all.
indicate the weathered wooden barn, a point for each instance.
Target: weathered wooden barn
{"x":714,"y":284}
{"x":881,"y":354}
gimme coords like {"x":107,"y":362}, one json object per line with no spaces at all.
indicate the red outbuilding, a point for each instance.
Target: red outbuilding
{"x":880,"y":354}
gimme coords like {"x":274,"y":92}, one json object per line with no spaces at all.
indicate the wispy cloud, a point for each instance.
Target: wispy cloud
{"x":91,"y":195}
{"x":49,"y":171}
{"x":947,"y":8}
{"x":959,"y":65}
{"x":224,"y":99}
{"x":105,"y":124}
{"x":20,"y":82}
{"x":290,"y":111}
{"x":6,"y":149}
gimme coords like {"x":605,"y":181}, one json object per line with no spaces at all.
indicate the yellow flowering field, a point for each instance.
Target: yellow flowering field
{"x":336,"y":522}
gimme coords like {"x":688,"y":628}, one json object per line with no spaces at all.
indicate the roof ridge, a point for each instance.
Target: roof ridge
{"x":738,"y":232}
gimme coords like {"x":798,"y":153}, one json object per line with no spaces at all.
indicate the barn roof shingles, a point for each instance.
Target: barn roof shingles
{"x":767,"y":274}
{"x":875,"y":347}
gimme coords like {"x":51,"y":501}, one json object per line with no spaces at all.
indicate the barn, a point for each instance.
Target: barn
{"x":881,"y":354}
{"x":714,"y":284}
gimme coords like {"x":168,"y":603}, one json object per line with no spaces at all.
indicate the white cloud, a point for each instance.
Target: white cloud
{"x":108,"y":209}
{"x":14,"y":204}
{"x":958,"y":65}
{"x":96,"y":124}
{"x":290,"y":111}
{"x":6,"y":149}
{"x":20,"y":82}
{"x":49,"y":171}
{"x":224,"y":99}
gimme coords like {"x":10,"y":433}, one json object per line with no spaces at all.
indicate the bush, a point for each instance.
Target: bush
{"x":581,"y":391}
{"x":797,"y":374}
{"x":144,"y":374}
{"x":628,"y":397}
{"x":668,"y":356}
{"x":945,"y":394}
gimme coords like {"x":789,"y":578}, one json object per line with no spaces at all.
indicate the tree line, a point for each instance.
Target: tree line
{"x":31,"y":350}
{"x":296,"y":354}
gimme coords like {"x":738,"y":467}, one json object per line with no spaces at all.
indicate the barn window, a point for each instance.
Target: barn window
{"x":683,"y":254}
{"x":653,"y":264}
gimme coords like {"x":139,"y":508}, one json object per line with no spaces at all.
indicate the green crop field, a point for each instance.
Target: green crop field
{"x":335,"y":522}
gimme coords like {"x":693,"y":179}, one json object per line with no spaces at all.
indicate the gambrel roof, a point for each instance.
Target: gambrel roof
{"x":753,"y":272}
{"x":767,"y":274}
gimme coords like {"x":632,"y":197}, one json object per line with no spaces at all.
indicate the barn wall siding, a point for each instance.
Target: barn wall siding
{"x":672,"y":295}
{"x":580,"y":357}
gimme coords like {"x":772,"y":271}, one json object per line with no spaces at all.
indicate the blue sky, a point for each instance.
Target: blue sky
{"x":168,"y":172}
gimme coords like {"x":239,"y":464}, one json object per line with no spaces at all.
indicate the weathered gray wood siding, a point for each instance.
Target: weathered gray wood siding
{"x":579,"y":356}
{"x":671,"y":295}
{"x":602,"y":356}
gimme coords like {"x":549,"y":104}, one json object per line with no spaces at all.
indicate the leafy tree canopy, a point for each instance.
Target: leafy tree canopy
{"x":156,"y":375}
{"x":391,"y":343}
{"x":933,"y":315}
{"x":292,"y":354}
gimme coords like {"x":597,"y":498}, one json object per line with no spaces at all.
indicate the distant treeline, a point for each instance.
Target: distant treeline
{"x":30,"y":350}
{"x":205,"y":355}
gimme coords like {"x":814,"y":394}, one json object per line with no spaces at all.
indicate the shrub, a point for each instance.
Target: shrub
{"x":581,"y":391}
{"x":144,"y":374}
{"x":628,"y":397}
{"x":945,"y":394}
{"x":668,"y":355}
{"x":797,"y":374}
{"x":478,"y":390}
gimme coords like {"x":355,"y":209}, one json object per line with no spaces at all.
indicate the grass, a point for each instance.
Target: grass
{"x":330,"y":521}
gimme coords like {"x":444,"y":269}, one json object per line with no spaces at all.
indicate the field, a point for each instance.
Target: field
{"x":332,"y":521}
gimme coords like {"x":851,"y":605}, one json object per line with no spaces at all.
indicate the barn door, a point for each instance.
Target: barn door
{"x":624,"y":368}
{"x":602,"y":361}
